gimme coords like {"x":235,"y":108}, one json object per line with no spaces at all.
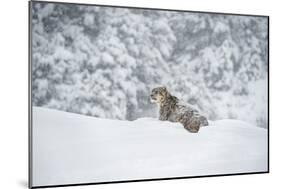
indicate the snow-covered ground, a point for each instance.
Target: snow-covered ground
{"x":71,"y":148}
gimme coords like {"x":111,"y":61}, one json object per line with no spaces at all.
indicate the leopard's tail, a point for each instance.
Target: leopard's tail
{"x":203,"y":120}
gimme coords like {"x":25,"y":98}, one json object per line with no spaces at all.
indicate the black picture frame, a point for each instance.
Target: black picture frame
{"x":30,"y":114}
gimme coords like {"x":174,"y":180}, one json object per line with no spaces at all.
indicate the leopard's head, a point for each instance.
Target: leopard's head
{"x":158,"y":95}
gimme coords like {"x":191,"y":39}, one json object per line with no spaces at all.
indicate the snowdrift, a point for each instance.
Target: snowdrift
{"x":71,"y":148}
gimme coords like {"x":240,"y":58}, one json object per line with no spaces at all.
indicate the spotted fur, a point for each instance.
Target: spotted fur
{"x":172,"y":110}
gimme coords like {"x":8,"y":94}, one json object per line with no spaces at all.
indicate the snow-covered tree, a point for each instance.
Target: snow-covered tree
{"x":103,"y":61}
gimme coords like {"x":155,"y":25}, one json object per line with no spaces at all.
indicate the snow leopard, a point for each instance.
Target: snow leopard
{"x":171,"y":109}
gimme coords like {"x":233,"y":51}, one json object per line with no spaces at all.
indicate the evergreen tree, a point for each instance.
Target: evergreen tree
{"x":103,"y":61}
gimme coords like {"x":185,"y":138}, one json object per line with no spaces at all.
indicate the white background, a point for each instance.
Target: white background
{"x":14,"y":92}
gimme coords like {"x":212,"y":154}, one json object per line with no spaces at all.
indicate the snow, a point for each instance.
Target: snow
{"x":107,"y":58}
{"x":89,"y":19}
{"x":72,"y":148}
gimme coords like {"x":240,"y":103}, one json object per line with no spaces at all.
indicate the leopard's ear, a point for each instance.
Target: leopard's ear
{"x":164,"y":88}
